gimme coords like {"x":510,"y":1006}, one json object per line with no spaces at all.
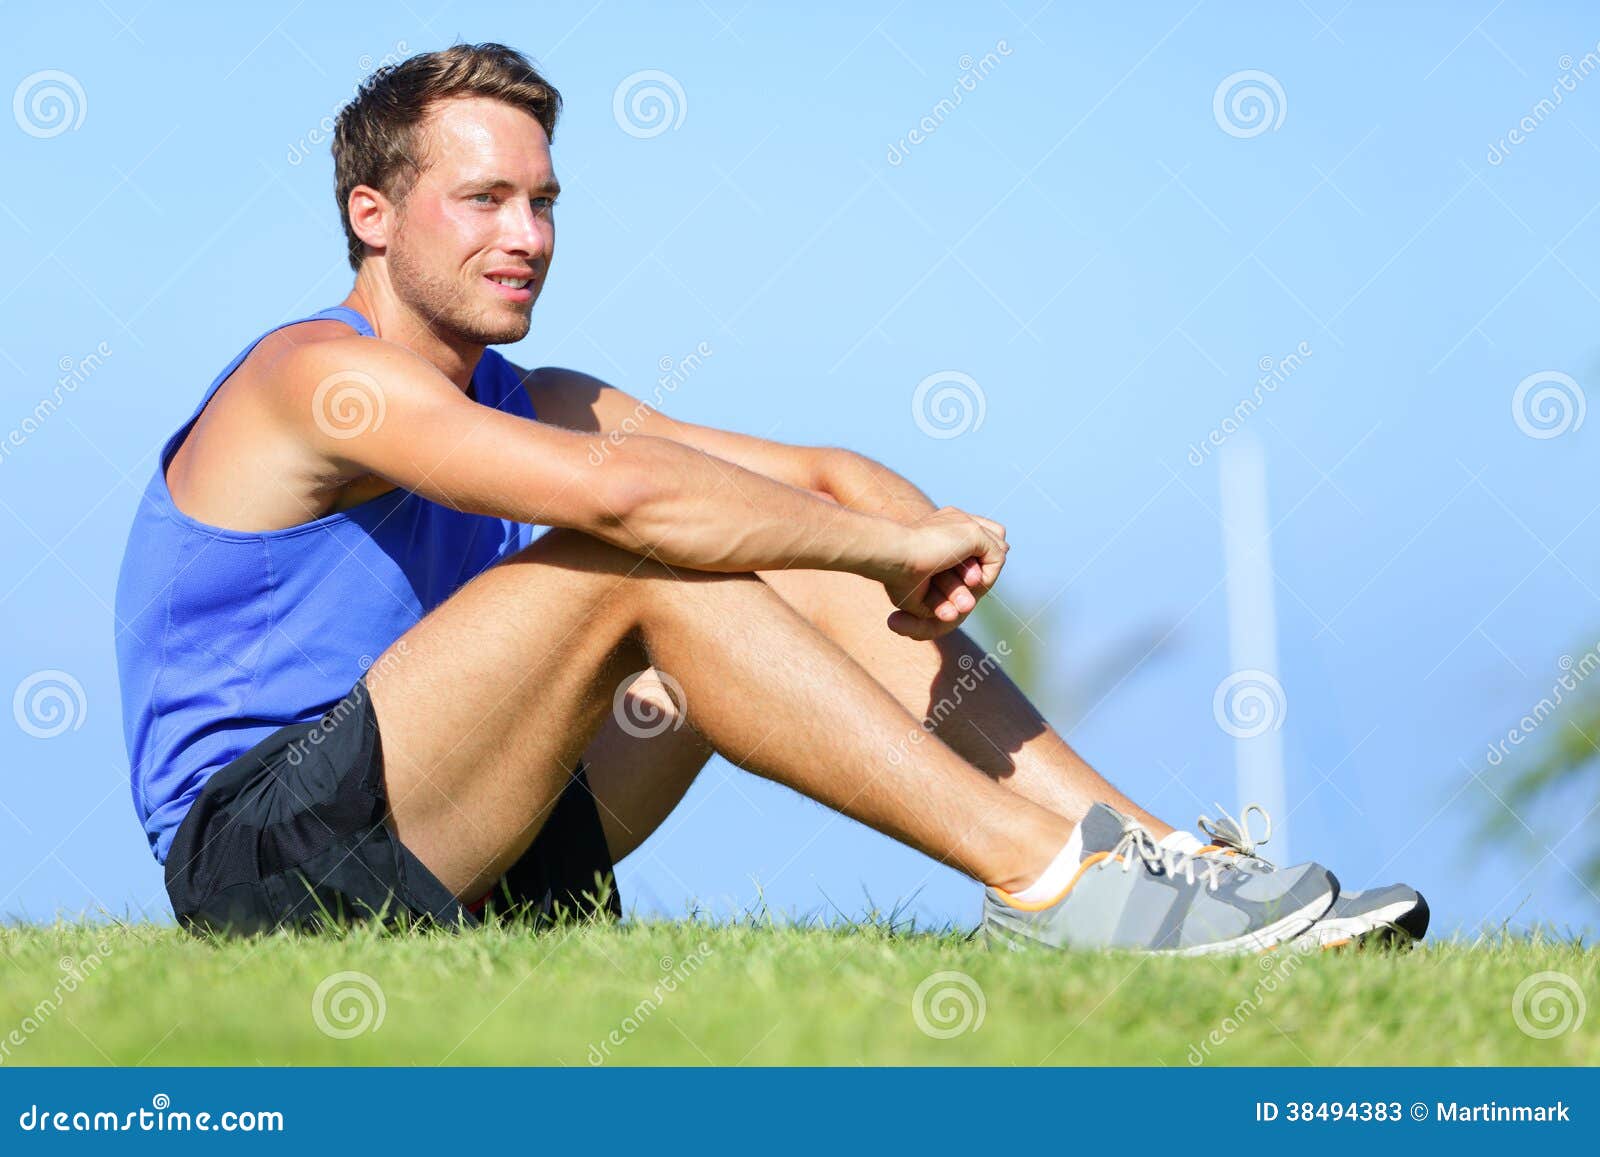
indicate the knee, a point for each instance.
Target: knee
{"x":579,"y":553}
{"x":563,"y":544}
{"x":583,"y":554}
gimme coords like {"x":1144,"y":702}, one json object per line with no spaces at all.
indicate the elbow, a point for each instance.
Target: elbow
{"x":622,"y":497}
{"x":833,"y":467}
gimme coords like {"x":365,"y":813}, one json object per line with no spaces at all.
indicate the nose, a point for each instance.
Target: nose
{"x":527,"y":233}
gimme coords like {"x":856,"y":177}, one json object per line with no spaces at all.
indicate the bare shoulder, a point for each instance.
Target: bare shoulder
{"x":244,"y":406}
{"x":291,"y":412}
{"x":564,"y":397}
{"x":282,"y":348}
{"x":283,"y":358}
{"x":312,"y":380}
{"x":328,"y":350}
{"x":250,"y":430}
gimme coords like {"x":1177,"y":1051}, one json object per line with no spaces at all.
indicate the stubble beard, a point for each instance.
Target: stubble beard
{"x":449,"y":308}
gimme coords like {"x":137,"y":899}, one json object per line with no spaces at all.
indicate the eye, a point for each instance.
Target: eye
{"x":482,"y":198}
{"x":544,"y":204}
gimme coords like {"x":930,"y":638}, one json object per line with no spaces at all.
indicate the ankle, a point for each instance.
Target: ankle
{"x":1020,"y":880}
{"x":1032,"y":857}
{"x":1058,"y":877}
{"x":1160,"y":829}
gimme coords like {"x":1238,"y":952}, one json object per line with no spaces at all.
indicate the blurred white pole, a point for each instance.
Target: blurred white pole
{"x":1253,"y":628}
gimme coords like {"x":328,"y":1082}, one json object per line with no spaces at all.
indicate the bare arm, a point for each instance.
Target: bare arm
{"x":856,"y":481}
{"x":580,"y":401}
{"x":648,"y":494}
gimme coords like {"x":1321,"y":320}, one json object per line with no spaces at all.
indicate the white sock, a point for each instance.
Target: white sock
{"x":1058,"y":875}
{"x":1181,"y":841}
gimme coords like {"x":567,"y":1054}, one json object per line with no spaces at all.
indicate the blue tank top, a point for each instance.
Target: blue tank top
{"x":224,"y":636}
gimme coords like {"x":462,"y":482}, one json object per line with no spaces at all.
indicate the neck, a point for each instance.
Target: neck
{"x":393,"y":321}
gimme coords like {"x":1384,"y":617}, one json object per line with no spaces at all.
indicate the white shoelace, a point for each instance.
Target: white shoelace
{"x":1136,"y":838}
{"x":1235,"y":833}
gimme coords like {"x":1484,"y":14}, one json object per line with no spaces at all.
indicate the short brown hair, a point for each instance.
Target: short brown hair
{"x":375,"y":138}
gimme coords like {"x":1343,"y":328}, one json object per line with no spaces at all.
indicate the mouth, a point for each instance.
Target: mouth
{"x":512,"y":288}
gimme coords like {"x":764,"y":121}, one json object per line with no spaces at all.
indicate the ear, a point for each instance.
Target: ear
{"x":372,"y":215}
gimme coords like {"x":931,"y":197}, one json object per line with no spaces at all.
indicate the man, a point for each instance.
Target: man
{"x":357,"y":682}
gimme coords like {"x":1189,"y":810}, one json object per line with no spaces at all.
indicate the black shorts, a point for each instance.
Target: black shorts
{"x":293,"y":831}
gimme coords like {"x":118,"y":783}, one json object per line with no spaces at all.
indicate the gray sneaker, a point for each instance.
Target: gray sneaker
{"x":1396,"y":914}
{"x":1131,"y":893}
{"x":1232,"y":837}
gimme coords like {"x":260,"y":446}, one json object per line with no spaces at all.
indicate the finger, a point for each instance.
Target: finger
{"x":916,"y":604}
{"x":957,"y":600}
{"x":991,"y":561}
{"x":973,"y":576}
{"x":991,"y":526}
{"x":922,"y":630}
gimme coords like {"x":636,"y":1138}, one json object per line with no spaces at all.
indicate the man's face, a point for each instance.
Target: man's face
{"x":482,"y":207}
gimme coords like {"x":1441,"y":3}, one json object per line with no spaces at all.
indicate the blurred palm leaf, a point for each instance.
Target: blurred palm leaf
{"x":1567,"y":764}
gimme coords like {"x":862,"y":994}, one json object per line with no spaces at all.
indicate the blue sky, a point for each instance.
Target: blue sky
{"x":1107,"y":248}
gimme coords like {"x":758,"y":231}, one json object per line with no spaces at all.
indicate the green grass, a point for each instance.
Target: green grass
{"x":758,"y":994}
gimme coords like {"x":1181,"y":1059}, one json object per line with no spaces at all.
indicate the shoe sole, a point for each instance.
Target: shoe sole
{"x":1399,"y":924}
{"x":1261,"y":940}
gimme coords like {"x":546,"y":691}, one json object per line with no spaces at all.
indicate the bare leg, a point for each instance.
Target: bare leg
{"x":638,"y":781}
{"x":992,"y":725}
{"x":637,"y":778}
{"x":486,"y":704}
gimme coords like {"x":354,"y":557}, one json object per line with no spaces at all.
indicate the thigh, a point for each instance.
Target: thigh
{"x":960,"y":689}
{"x":485,"y":706}
{"x":646,"y":754}
{"x":854,"y":612}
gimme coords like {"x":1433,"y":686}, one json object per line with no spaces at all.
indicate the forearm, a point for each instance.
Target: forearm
{"x":691,"y":509}
{"x":859,"y":483}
